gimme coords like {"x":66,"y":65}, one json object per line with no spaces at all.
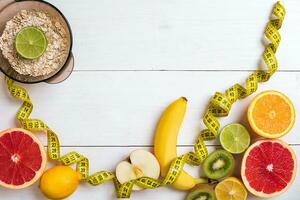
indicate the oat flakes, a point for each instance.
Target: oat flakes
{"x":57,"y":49}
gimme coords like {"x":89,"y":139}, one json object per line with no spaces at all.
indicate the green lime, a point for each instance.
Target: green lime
{"x":31,"y":42}
{"x":235,"y":138}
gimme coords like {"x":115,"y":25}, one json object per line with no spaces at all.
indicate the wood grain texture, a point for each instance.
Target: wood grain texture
{"x":109,"y":108}
{"x":133,"y":57}
{"x":177,"y":35}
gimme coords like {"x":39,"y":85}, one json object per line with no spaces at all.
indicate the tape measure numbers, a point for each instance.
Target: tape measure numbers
{"x":219,"y":106}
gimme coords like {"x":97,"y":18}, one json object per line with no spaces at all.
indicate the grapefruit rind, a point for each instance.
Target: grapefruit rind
{"x":243,"y":169}
{"x":252,"y":122}
{"x":43,"y":164}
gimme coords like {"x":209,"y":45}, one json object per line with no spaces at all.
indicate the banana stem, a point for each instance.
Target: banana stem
{"x":201,"y":181}
{"x":205,"y":181}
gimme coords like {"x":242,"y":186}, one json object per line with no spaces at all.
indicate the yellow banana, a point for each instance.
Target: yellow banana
{"x":166,"y":139}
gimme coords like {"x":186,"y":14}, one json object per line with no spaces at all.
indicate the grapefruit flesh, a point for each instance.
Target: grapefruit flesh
{"x":22,"y":158}
{"x":268,"y":168}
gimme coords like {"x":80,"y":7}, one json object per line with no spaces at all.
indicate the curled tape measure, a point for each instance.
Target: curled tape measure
{"x":219,"y":106}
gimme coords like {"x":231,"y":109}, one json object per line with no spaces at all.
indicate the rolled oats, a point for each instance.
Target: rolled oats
{"x":57,"y":49}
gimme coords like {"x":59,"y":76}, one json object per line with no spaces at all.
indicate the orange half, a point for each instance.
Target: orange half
{"x":271,"y":114}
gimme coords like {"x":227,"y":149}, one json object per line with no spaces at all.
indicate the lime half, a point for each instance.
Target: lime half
{"x":31,"y":42}
{"x":235,"y":138}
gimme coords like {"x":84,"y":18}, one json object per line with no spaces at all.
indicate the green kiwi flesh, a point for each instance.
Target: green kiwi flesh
{"x":201,"y":194}
{"x":218,"y":164}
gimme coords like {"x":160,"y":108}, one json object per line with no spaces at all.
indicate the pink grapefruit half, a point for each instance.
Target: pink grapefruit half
{"x":22,"y":158}
{"x":268,"y":168}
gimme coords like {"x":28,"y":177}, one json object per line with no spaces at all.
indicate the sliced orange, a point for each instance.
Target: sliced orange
{"x":271,"y":114}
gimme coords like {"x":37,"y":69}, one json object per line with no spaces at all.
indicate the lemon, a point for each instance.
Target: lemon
{"x":59,"y":182}
{"x":231,"y":189}
{"x":31,"y":42}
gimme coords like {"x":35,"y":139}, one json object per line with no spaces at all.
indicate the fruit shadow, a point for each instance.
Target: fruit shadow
{"x":253,"y":138}
{"x":244,"y":120}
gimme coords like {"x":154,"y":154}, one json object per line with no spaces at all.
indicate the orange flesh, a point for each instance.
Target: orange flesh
{"x":272,"y":114}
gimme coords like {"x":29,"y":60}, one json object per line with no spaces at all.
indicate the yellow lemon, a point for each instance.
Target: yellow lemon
{"x":59,"y":182}
{"x":231,"y":189}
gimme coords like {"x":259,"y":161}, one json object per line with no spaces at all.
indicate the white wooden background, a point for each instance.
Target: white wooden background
{"x":133,"y":57}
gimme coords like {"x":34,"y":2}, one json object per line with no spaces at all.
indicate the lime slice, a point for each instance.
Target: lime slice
{"x":31,"y":42}
{"x":235,"y":138}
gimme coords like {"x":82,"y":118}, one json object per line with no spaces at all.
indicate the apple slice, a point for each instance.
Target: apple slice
{"x":141,"y":163}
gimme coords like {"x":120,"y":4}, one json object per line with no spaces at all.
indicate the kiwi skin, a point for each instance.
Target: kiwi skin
{"x":202,"y":190}
{"x":222,"y":157}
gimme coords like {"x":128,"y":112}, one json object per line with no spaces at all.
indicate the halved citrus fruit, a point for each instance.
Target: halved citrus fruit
{"x":235,"y":138}
{"x":231,"y":189}
{"x":268,"y":168}
{"x":271,"y":114}
{"x":31,"y":42}
{"x":22,"y":158}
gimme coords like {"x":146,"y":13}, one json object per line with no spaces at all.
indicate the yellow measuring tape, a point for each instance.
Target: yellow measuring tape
{"x":219,"y":106}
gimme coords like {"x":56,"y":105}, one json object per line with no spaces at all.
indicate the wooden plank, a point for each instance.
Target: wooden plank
{"x":107,"y":108}
{"x":100,"y":112}
{"x":99,"y":161}
{"x":176,"y":35}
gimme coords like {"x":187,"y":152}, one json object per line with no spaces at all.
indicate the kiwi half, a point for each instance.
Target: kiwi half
{"x":201,"y":192}
{"x":218,"y":164}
